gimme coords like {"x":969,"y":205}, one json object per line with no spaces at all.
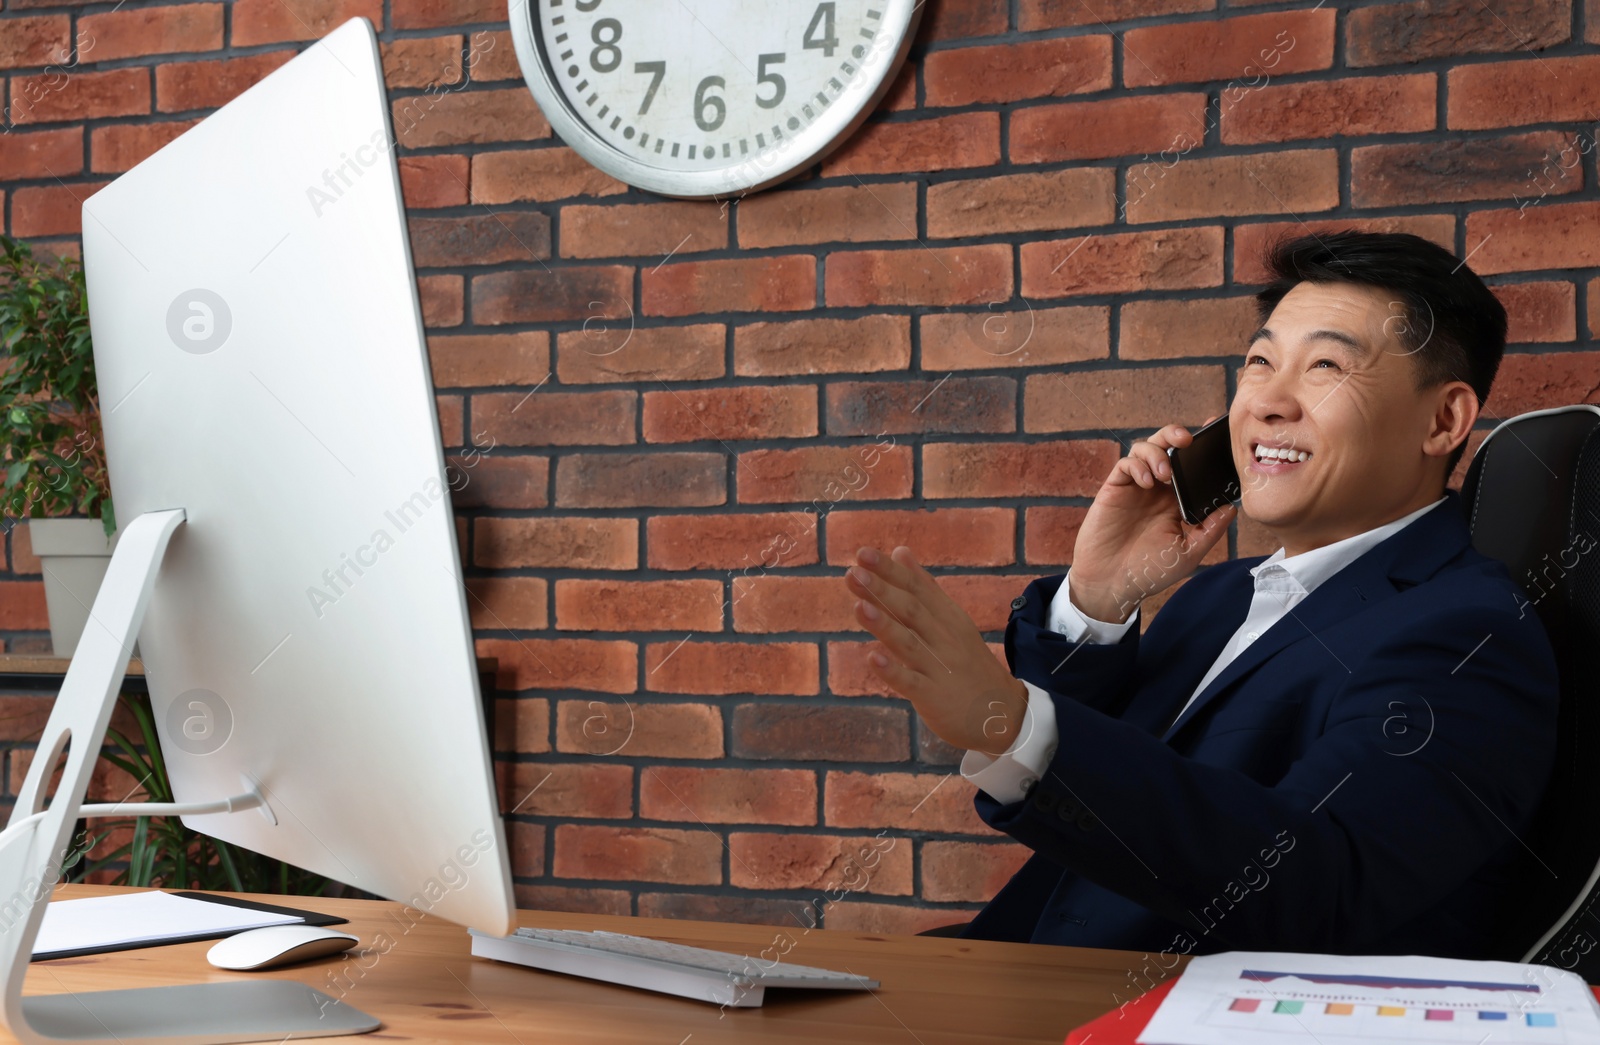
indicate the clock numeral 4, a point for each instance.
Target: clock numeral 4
{"x":821,"y":20}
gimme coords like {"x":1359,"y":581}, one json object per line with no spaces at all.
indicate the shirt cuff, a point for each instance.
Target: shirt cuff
{"x":1010,"y":776}
{"x":1074,"y":625}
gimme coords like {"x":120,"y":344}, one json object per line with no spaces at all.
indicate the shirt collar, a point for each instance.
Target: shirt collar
{"x":1304,"y":572}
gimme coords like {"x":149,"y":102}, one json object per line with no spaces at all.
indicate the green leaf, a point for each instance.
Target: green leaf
{"x":230,"y":867}
{"x":161,"y":791}
{"x":48,"y":392}
{"x":123,"y":764}
{"x":138,"y":875}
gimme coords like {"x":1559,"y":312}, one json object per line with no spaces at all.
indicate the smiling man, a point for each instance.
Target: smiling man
{"x":1330,"y":748}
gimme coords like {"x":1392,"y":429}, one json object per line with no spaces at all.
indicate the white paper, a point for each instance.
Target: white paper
{"x":1256,"y":998}
{"x":127,"y":918}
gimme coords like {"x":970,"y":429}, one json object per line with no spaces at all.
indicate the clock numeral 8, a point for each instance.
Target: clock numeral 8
{"x":605,"y":27}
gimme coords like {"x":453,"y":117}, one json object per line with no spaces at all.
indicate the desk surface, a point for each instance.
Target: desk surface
{"x":424,"y":984}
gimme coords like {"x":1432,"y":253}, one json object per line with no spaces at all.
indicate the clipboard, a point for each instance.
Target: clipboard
{"x":307,"y":918}
{"x":1122,"y":1026}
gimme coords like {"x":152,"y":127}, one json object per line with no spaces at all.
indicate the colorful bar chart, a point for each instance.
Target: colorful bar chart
{"x":1279,"y":998}
{"x":1298,"y":1007}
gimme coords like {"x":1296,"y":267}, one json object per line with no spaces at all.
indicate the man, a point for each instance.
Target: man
{"x":1330,"y":748}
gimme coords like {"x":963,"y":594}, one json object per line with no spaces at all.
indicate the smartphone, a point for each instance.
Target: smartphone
{"x":1203,"y":475}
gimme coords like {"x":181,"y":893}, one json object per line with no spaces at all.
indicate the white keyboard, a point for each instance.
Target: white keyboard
{"x":671,"y":968}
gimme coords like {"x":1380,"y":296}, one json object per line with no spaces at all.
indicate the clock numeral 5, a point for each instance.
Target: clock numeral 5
{"x":656,"y":70}
{"x":762,"y":76}
{"x":823,"y":19}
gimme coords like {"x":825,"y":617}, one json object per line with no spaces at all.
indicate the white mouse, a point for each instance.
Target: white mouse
{"x":275,"y":945}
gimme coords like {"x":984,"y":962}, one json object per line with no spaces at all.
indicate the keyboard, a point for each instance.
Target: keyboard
{"x":671,"y":968}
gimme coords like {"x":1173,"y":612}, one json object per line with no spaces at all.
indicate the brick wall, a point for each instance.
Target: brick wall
{"x":679,"y":419}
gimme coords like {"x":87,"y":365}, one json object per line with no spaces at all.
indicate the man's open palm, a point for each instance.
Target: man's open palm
{"x":934,"y":655}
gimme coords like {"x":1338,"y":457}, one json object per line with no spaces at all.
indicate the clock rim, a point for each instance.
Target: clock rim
{"x":819,"y":138}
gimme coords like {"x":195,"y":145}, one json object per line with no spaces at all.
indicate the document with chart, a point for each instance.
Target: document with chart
{"x":1266,"y":998}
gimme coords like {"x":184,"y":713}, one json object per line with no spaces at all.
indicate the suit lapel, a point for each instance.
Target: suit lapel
{"x":1400,"y":561}
{"x":1207,"y":629}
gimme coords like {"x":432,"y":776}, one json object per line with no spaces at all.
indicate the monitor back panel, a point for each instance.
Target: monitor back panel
{"x":261,"y":365}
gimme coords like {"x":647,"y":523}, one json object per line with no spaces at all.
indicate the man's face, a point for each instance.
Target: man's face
{"x":1328,"y":375}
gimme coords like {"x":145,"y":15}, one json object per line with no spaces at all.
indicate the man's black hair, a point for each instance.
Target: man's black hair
{"x":1443,"y":314}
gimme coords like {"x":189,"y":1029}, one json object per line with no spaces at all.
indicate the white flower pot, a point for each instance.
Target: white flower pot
{"x":73,"y":554}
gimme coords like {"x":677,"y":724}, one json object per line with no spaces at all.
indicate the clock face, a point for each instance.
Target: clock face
{"x":708,"y":97}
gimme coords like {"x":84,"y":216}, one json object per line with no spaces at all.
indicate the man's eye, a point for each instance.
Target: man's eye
{"x":1251,"y":359}
{"x":1322,"y":361}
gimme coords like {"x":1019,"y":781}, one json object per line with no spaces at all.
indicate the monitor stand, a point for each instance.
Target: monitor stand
{"x":38,"y":837}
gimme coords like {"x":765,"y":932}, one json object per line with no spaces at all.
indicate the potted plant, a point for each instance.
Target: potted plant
{"x":52,"y":457}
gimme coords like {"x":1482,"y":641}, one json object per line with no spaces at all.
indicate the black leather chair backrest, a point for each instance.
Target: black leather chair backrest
{"x":1532,"y":494}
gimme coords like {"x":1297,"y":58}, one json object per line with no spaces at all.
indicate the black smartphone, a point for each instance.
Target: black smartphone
{"x":1203,"y":475}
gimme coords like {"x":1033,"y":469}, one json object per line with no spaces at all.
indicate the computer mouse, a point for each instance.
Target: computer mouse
{"x":275,"y":945}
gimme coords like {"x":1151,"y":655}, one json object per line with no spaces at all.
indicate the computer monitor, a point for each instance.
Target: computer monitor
{"x":270,"y":420}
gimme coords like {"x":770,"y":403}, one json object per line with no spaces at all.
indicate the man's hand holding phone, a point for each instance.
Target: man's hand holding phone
{"x":1134,"y":541}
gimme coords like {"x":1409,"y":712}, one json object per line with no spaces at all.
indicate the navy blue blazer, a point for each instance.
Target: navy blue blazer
{"x":1351,"y":783}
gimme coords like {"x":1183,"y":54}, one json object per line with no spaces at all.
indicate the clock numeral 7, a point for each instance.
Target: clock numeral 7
{"x":823,"y":18}
{"x":656,"y":70}
{"x":762,"y":76}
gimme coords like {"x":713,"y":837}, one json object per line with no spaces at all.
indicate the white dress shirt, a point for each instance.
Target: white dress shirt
{"x":1281,"y":583}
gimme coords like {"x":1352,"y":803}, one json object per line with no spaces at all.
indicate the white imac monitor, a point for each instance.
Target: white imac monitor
{"x":288,"y":558}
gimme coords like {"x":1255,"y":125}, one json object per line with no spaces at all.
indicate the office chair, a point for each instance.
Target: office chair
{"x":1532,"y":494}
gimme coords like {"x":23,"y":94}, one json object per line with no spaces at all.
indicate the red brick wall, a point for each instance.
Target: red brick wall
{"x":1038,"y":250}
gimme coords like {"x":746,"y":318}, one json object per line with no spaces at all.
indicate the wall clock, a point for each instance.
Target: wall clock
{"x":708,"y":98}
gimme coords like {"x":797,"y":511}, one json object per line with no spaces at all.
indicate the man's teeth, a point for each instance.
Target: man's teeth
{"x":1267,"y":452}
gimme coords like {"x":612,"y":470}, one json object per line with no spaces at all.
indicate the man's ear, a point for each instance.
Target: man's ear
{"x":1455,"y":411}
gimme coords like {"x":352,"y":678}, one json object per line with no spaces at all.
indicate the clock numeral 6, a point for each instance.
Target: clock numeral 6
{"x":762,"y":76}
{"x":822,"y":18}
{"x":704,"y":101}
{"x":605,"y":34}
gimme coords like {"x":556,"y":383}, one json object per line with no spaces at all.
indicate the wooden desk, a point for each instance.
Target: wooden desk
{"x":425,"y":985}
